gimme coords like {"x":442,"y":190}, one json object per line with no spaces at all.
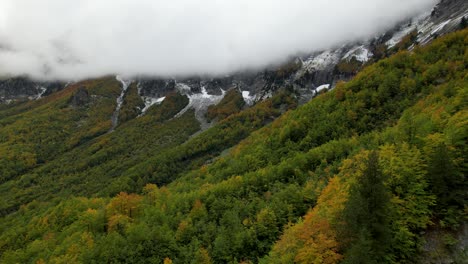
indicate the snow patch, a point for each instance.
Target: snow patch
{"x":6,"y":101}
{"x":120,"y":99}
{"x":415,"y":24}
{"x":323,"y":60}
{"x":267,"y":95}
{"x":322,"y":87}
{"x":397,"y":37}
{"x":426,"y":29}
{"x":361,"y":54}
{"x":68,"y":84}
{"x":42,"y":91}
{"x":150,"y":101}
{"x":249,"y":100}
{"x":440,"y":26}
{"x":200,"y":103}
{"x":183,"y":88}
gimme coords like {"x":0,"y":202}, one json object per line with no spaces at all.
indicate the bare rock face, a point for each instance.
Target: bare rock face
{"x":443,"y":246}
{"x":22,"y":88}
{"x":80,"y":98}
{"x":155,"y":87}
{"x":17,"y":88}
{"x":304,"y":74}
{"x":446,"y":9}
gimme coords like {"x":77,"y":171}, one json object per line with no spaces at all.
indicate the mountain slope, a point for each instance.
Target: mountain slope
{"x":399,"y":126}
{"x":62,"y":145}
{"x":306,"y":74}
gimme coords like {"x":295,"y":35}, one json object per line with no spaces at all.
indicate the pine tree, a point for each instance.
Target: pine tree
{"x":366,"y":216}
{"x":463,"y":23}
{"x":447,"y":183}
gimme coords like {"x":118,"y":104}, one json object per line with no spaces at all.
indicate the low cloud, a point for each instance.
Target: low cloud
{"x":56,"y":39}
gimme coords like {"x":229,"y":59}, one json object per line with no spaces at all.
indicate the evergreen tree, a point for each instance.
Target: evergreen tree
{"x":366,"y":216}
{"x":463,"y":23}
{"x":447,"y":183}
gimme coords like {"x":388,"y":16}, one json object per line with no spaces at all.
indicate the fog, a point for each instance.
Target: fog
{"x":58,"y":39}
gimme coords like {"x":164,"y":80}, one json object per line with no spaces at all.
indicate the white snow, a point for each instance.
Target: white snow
{"x":415,"y":24}
{"x":426,"y":29}
{"x":249,"y":100}
{"x":200,"y":103}
{"x":269,"y":94}
{"x":182,"y":88}
{"x":150,"y":101}
{"x":440,"y":26}
{"x":120,"y":99}
{"x":429,"y":29}
{"x":397,"y":37}
{"x":322,"y":87}
{"x":205,"y":94}
{"x":41,"y":93}
{"x":160,"y":100}
{"x":361,"y":54}
{"x":68,"y":84}
{"x":125,"y":85}
{"x":320,"y":61}
{"x":323,"y":60}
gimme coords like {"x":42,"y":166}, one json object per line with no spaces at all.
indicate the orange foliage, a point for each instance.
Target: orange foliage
{"x":315,"y":240}
{"x":125,"y":204}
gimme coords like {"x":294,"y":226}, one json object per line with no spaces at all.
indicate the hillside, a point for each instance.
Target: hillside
{"x":356,"y":175}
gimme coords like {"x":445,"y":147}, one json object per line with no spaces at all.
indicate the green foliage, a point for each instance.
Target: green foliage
{"x":349,"y":67}
{"x":232,"y":103}
{"x":132,"y":104}
{"x":406,"y":42}
{"x":38,"y":135}
{"x":366,"y":215}
{"x":463,"y":22}
{"x":227,"y":194}
{"x":97,"y":166}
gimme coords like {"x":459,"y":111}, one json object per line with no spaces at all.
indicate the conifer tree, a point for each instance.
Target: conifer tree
{"x":366,"y":216}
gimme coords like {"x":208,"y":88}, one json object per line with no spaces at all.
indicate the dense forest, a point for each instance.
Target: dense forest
{"x":364,"y":173}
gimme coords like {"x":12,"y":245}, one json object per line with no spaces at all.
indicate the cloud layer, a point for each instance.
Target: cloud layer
{"x":56,"y":39}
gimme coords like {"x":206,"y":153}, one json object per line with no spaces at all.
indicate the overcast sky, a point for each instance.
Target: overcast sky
{"x":87,"y":38}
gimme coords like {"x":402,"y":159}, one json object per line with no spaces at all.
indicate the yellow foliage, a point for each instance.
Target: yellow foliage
{"x":118,"y":222}
{"x":125,"y":204}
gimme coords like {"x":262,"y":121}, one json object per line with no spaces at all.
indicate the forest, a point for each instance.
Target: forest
{"x":363,"y":173}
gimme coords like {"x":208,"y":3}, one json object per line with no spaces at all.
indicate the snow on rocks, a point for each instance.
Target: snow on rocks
{"x":248,"y":99}
{"x":200,"y":103}
{"x":150,"y":101}
{"x":323,"y":60}
{"x":322,"y":87}
{"x":429,"y":30}
{"x":361,"y":53}
{"x":415,"y":24}
{"x":120,"y":99}
{"x":41,"y":90}
{"x":425,"y":28}
{"x":183,"y":88}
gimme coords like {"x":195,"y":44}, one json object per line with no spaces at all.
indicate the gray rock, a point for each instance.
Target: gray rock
{"x":80,"y":98}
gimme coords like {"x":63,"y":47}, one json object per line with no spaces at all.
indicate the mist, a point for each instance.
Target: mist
{"x":72,"y":40}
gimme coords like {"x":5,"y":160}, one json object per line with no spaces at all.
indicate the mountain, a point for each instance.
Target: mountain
{"x":289,"y":165}
{"x":398,"y":127}
{"x":307,"y":74}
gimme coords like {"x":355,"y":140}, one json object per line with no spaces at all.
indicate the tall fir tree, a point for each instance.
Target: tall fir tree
{"x":367,"y":229}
